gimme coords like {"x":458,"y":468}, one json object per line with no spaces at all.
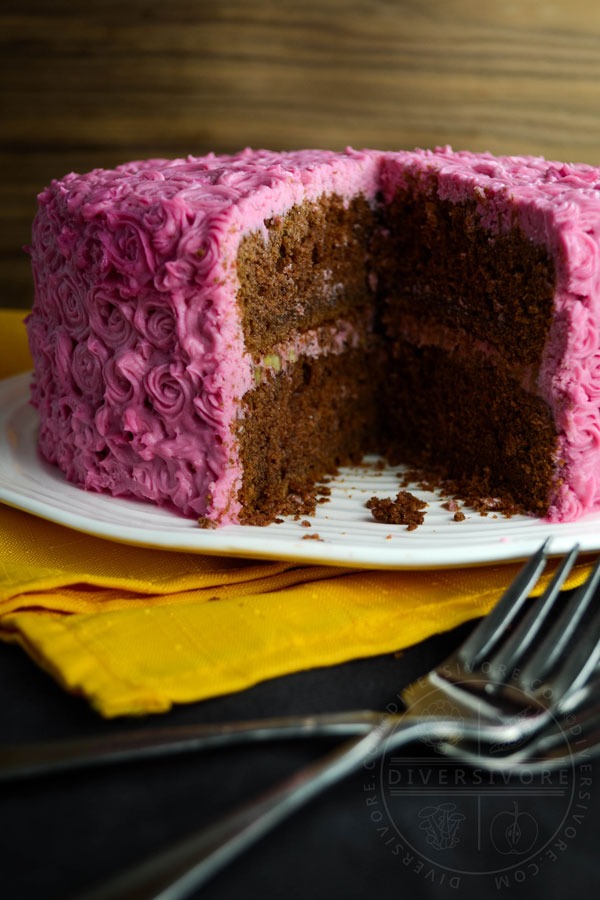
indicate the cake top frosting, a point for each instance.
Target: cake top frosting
{"x":206,"y":184}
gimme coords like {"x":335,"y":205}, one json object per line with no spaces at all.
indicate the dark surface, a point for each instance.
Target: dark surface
{"x":61,"y":834}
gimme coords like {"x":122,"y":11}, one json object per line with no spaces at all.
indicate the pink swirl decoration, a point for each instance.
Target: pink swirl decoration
{"x":46,"y":226}
{"x":62,"y":413}
{"x":173,"y":485}
{"x":585,"y":430}
{"x":154,"y":320}
{"x":581,"y":251}
{"x":584,"y":339}
{"x":209,"y":408}
{"x":185,"y":490}
{"x":168,"y":388}
{"x":145,"y":429}
{"x":85,"y":433}
{"x":63,"y":355}
{"x":109,"y":321}
{"x":127,"y":248}
{"x":87,"y":367}
{"x":71,"y":299}
{"x":67,"y":241}
{"x":165,"y":221}
{"x":88,"y":256}
{"x":121,"y":385}
{"x":146,"y":482}
{"x":201,"y":246}
{"x":589,"y":379}
{"x":198,"y":255}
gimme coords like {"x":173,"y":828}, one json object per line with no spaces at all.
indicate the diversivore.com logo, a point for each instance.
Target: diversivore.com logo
{"x":448,"y":822}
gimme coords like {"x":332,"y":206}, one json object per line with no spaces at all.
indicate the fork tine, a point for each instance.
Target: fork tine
{"x":492,"y":627}
{"x":512,"y":651}
{"x":580,"y":662}
{"x":553,"y":648}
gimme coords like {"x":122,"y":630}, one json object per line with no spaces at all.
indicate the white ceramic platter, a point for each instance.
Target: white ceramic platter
{"x":349,"y":536}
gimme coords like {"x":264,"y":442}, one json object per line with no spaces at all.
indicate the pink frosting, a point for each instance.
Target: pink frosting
{"x":140,"y":363}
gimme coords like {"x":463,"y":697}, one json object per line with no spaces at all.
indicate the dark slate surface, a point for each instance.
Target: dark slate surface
{"x":62,"y":834}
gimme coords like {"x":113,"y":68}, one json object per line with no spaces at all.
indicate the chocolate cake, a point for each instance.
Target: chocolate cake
{"x":215,"y":334}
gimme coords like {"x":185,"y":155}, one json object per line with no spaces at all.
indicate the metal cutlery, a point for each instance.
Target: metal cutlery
{"x":504,"y":684}
{"x":29,"y":760}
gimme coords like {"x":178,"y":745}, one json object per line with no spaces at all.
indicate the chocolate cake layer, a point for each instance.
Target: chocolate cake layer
{"x":466,"y":314}
{"x":313,"y":267}
{"x":301,"y":424}
{"x":470,"y":419}
{"x":434,"y":259}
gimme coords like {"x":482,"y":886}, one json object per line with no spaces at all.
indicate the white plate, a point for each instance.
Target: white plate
{"x":349,"y":535}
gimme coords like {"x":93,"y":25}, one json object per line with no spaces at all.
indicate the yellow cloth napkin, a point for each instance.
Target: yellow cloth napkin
{"x":136,"y":630}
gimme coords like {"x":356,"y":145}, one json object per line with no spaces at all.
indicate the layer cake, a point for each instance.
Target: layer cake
{"x":214,"y":334}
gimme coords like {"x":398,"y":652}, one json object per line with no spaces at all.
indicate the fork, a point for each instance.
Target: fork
{"x":28,"y":760}
{"x":573,"y":738}
{"x":498,"y":686}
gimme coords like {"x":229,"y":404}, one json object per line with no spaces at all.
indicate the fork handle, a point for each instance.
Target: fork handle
{"x":185,"y":867}
{"x":29,"y":760}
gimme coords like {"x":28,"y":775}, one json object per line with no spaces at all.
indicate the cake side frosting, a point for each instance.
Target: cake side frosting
{"x":139,"y":354}
{"x":556,"y":205}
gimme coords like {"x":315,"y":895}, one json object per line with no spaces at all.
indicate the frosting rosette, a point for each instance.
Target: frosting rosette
{"x":128,"y":250}
{"x":123,"y":377}
{"x":70,"y":294}
{"x":86,"y":436}
{"x":154,"y":320}
{"x":87,"y":367}
{"x":165,"y":221}
{"x":201,"y":246}
{"x":109,"y":318}
{"x":169,"y":389}
{"x":63,"y":357}
{"x":580,"y":249}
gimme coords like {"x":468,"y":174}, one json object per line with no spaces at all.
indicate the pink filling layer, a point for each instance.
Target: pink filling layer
{"x":139,"y":355}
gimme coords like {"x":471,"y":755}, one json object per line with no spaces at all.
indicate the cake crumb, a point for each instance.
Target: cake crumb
{"x":451,"y":505}
{"x":305,"y":523}
{"x":278,"y":521}
{"x":474,"y":491}
{"x":324,"y":500}
{"x":379,"y":465}
{"x":312,"y":537}
{"x":203,"y":522}
{"x":459,"y":516}
{"x":404,"y":510}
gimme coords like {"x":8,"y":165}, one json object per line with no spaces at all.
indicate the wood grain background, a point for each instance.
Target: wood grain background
{"x":90,"y":83}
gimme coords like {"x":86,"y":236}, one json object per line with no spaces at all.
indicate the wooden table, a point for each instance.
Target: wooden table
{"x":97,"y":83}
